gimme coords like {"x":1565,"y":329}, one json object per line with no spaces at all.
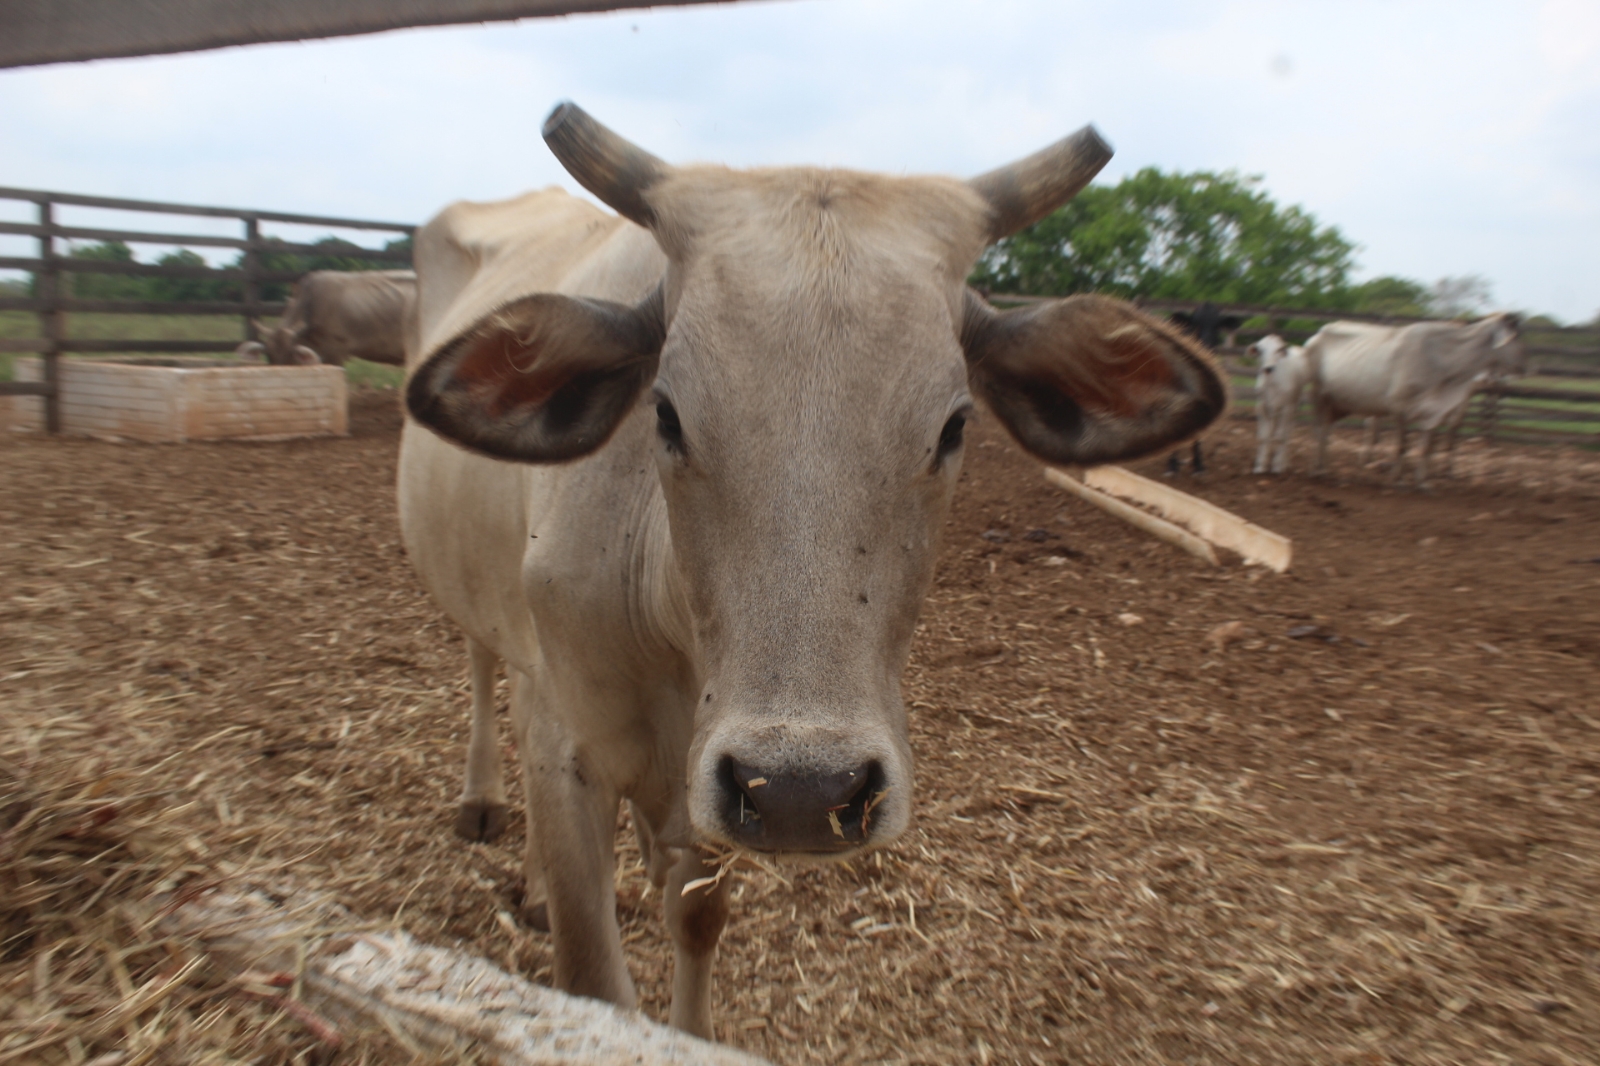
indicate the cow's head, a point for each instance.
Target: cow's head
{"x":281,"y":346}
{"x":809,"y":361}
{"x":1267,"y":353}
{"x":1508,"y":356}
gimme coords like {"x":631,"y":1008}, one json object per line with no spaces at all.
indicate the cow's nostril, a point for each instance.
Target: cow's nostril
{"x":739,"y":806}
{"x":780,"y":810}
{"x":852,"y":820}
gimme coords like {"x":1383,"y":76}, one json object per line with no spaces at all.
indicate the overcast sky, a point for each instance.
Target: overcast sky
{"x":1443,"y":138}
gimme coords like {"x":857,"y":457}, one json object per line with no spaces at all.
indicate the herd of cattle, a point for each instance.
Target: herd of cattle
{"x":734,"y":416}
{"x":1423,"y":375}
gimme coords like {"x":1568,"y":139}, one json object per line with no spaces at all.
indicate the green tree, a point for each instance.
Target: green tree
{"x":103,"y":286}
{"x":1389,"y":295}
{"x":329,"y":253}
{"x":1198,"y":236}
{"x":332,"y":253}
{"x":189,"y":289}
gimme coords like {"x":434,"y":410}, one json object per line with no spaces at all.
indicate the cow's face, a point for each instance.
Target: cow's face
{"x":810,"y":361}
{"x":1267,"y":352}
{"x":1508,"y":356}
{"x":809,"y":403}
{"x":283,"y":348}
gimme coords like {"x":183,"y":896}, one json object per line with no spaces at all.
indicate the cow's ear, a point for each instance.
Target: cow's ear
{"x":542,"y":380}
{"x":1089,"y":379}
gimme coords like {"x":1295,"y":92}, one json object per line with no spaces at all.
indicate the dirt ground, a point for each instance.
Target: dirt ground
{"x":1364,"y":831}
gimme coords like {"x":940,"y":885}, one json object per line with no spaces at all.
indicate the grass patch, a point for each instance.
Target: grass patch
{"x":24,"y":324}
{"x":359,"y":372}
{"x":130,"y":327}
{"x":15,"y":325}
{"x":1570,"y":384}
{"x":1586,"y":429}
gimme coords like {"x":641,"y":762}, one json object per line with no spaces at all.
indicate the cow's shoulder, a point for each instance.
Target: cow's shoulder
{"x":529,"y":226}
{"x":478,"y":257}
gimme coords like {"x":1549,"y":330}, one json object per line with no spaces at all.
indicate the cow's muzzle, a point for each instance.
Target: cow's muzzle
{"x":781,"y":810}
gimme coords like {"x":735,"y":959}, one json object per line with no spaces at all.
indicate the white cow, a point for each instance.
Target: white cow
{"x":333,"y":316}
{"x":1281,"y":375}
{"x":733,"y":420}
{"x":1451,"y":425}
{"x":1419,"y":374}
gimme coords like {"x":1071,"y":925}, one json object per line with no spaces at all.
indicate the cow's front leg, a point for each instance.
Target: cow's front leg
{"x":695,"y":921}
{"x":1448,"y":466}
{"x":572,"y":820}
{"x":482,"y":815}
{"x":1325,"y":418}
{"x":1424,"y":451}
{"x":1266,"y":427}
{"x":1400,"y":450}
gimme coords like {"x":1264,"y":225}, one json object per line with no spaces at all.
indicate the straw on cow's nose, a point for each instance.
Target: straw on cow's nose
{"x":784,"y":810}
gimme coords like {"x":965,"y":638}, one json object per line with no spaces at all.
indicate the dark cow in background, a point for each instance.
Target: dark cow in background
{"x":1207,"y":324}
{"x":336,"y":315}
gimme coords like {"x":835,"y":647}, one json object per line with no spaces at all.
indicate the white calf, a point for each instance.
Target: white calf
{"x":1283,"y":373}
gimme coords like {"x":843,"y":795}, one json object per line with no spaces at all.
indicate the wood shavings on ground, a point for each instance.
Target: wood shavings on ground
{"x":1221,"y":871}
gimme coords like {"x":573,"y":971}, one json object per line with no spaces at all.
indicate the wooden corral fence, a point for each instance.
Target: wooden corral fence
{"x":51,"y":299}
{"x":1562,"y":408}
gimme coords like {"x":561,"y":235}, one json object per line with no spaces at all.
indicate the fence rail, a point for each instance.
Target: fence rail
{"x":1553,"y":416}
{"x":146,"y":307}
{"x":159,"y":207}
{"x":52,"y":301}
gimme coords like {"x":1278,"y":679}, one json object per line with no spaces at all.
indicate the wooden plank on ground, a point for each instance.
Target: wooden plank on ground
{"x":1221,"y":527}
{"x":1156,"y":527}
{"x":446,"y":1001}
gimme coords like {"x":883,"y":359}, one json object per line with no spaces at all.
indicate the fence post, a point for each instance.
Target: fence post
{"x":52,"y":320}
{"x":252,"y":268}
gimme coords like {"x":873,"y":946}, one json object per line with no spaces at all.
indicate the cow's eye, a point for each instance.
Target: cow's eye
{"x":950,"y":437}
{"x":669,"y":427}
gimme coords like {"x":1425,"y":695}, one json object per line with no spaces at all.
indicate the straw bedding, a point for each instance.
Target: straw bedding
{"x":1164,"y":812}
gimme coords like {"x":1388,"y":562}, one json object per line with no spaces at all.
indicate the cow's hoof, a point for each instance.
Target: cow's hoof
{"x":481,"y":821}
{"x":537,"y":917}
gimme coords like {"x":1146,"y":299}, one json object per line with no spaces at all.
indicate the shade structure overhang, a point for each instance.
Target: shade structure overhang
{"x":35,"y":32}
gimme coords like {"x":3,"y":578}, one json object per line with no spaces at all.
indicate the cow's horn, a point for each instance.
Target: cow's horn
{"x":1029,"y":189}
{"x":617,"y":171}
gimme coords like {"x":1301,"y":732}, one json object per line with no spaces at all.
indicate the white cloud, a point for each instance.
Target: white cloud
{"x":1445,"y":138}
{"x":1569,"y":34}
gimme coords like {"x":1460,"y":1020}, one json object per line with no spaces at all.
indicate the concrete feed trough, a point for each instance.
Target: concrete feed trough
{"x":172,"y":400}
